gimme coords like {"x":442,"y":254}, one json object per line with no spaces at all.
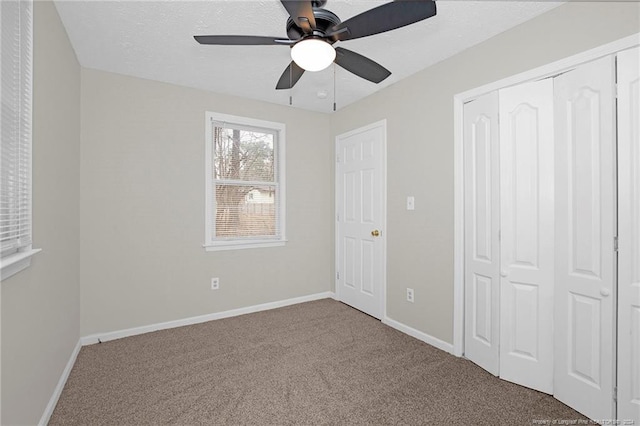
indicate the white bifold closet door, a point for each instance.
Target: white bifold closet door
{"x":585,"y":231}
{"x":629,"y":235}
{"x":482,"y":221}
{"x":566,"y":191}
{"x":527,"y":229}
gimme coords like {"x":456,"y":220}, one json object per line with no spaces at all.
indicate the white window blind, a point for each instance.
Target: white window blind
{"x":15,"y":125}
{"x":245,"y":195}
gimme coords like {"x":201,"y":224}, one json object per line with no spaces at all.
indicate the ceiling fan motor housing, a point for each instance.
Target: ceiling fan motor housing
{"x":325,"y":19}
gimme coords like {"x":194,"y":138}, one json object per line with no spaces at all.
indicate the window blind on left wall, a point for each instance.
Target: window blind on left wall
{"x":16,"y":60}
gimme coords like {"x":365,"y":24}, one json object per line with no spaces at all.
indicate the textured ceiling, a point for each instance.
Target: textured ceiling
{"x":153,"y":40}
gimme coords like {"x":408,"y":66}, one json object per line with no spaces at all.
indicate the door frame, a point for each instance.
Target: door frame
{"x":459,"y":100}
{"x":382,"y":124}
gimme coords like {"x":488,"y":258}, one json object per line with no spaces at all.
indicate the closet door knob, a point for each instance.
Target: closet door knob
{"x":503,"y":273}
{"x":604,"y":292}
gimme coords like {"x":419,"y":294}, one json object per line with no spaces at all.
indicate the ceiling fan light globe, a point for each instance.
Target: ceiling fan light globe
{"x":313,"y":54}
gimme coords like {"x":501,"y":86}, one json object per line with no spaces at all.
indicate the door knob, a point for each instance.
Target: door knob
{"x":604,"y":292}
{"x":503,"y":273}
{"x":375,"y":233}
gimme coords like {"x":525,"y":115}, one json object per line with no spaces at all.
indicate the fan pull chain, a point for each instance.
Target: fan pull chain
{"x":290,"y":85}
{"x":334,"y":86}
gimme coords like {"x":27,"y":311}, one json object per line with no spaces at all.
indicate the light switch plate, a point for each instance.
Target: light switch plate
{"x":411,"y":202}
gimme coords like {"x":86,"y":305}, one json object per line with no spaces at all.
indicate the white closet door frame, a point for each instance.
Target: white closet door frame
{"x":460,"y":99}
{"x":629,"y":235}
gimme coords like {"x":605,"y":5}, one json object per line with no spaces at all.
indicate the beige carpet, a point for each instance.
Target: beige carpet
{"x":314,"y":363}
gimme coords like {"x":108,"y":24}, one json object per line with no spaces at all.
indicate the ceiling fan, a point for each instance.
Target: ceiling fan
{"x":313,"y":31}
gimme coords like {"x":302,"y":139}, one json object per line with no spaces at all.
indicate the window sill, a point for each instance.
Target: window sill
{"x":235,"y":245}
{"x":15,"y":263}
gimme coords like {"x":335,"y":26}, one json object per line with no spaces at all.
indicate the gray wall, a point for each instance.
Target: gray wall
{"x":142,"y":207}
{"x":419,"y":113}
{"x":40,"y":305}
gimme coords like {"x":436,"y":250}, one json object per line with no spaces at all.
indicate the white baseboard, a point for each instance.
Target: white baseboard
{"x":433,"y":341}
{"x":58,"y":389}
{"x":103,"y":337}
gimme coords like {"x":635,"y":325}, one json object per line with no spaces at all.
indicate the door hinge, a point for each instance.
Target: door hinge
{"x":615,"y":394}
{"x":337,"y":275}
{"x":615,"y":243}
{"x":337,"y":158}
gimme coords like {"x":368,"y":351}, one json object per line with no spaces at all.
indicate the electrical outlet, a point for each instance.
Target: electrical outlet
{"x":410,"y":295}
{"x":215,"y":283}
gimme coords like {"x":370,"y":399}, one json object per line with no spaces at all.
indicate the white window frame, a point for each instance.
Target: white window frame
{"x":213,"y":244}
{"x":19,"y":258}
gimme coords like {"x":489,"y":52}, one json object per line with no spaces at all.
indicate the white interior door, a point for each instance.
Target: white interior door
{"x":586,"y":227}
{"x":629,"y":235}
{"x":482,"y":221}
{"x":527,"y":228}
{"x":360,"y":203}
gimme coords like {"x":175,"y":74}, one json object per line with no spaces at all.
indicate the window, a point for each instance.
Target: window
{"x":15,"y":129}
{"x":245,"y":201}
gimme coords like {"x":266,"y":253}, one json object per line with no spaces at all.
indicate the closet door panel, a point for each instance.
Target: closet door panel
{"x":481,"y":231}
{"x":526,"y":248}
{"x":585,"y":223}
{"x":629,"y":235}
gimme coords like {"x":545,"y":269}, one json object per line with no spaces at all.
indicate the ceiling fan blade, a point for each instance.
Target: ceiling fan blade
{"x":290,"y":76}
{"x":361,"y":65}
{"x":242,"y":40}
{"x":301,"y":11}
{"x":384,"y":18}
